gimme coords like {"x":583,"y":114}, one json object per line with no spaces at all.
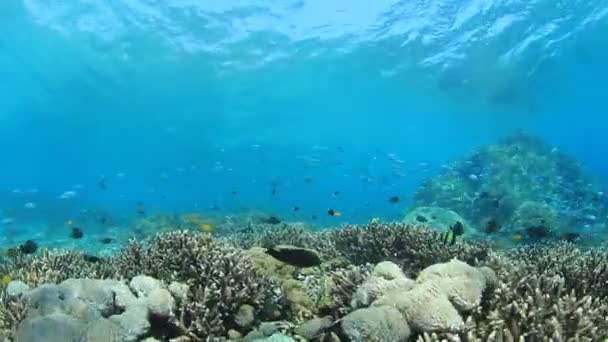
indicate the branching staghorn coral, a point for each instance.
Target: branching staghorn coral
{"x":54,"y":267}
{"x":584,"y":271}
{"x":221,"y":279}
{"x":534,"y":304}
{"x":413,"y":247}
{"x":12,"y":312}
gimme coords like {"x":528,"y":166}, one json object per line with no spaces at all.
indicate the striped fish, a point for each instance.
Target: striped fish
{"x":448,"y":237}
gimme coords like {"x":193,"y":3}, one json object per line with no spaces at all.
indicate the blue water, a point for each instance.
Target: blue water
{"x":178,"y":104}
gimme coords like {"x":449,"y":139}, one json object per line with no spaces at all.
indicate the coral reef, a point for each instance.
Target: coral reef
{"x":54,"y":266}
{"x":401,"y":306}
{"x":221,"y":279}
{"x":520,"y":186}
{"x":412,"y":247}
{"x":92,"y":309}
{"x":188,"y":286}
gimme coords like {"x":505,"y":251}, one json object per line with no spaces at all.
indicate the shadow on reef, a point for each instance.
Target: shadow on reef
{"x":376,"y":282}
{"x":521,"y":189}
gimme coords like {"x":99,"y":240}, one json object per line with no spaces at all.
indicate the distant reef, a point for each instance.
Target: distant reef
{"x":373,"y":282}
{"x":521,"y":189}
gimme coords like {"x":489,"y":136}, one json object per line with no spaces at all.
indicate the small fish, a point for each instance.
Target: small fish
{"x":296,"y":208}
{"x":28,"y":247}
{"x":332,"y":212}
{"x":296,"y":256}
{"x":448,"y":237}
{"x":336,"y":193}
{"x":207,"y":227}
{"x":67,"y":195}
{"x":102,"y":184}
{"x":192,"y":218}
{"x":491,"y":226}
{"x":308,"y":179}
{"x":106,"y":240}
{"x":8,"y":220}
{"x":274,"y":191}
{"x":163,"y":197}
{"x":516,"y":237}
{"x":234,"y":193}
{"x":457,"y":228}
{"x":271,"y":220}
{"x":314,"y":217}
{"x":140,"y":209}
{"x":69,"y":222}
{"x":6,"y":279}
{"x":76,"y":233}
{"x":421,"y":219}
{"x":367,"y":204}
{"x":91,"y":258}
{"x":395,"y":199}
{"x":30,"y":205}
{"x":103,"y":220}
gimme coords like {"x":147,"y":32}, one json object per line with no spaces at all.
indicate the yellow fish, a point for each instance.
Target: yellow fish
{"x":206,"y":227}
{"x":69,"y":223}
{"x":192,"y":218}
{"x":6,"y":279}
{"x":516,"y":237}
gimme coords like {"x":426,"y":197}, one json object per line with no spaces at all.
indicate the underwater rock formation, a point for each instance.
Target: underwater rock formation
{"x":499,"y":187}
{"x":98,"y":310}
{"x":433,"y":303}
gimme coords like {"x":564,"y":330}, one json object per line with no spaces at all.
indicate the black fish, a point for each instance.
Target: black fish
{"x":571,"y":236}
{"x":336,"y":193}
{"x":421,"y":218}
{"x":91,"y":258}
{"x":394,"y":199}
{"x":274,"y":191}
{"x":234,"y":193}
{"x":457,"y":228}
{"x":296,"y":256}
{"x":140,"y":208}
{"x":367,"y":205}
{"x":76,"y":233}
{"x":331,"y":212}
{"x":102,"y":184}
{"x":103,"y":220}
{"x":106,"y":240}
{"x":29,"y":247}
{"x":491,"y":226}
{"x":296,"y":208}
{"x":272,"y":220}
